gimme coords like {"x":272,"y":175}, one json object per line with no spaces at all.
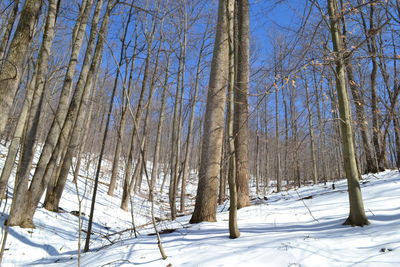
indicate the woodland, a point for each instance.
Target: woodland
{"x":193,"y":107}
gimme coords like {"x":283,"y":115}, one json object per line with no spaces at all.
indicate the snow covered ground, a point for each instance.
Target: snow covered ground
{"x":284,"y":230}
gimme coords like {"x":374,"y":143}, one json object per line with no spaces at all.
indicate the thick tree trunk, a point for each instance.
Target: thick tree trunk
{"x":210,"y":163}
{"x":17,"y":137}
{"x":7,"y":32}
{"x":11,"y":68}
{"x":357,"y":215}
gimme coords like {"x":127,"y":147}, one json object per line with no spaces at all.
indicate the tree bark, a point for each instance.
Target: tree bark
{"x":241,"y":128}
{"x":210,"y":163}
{"x":7,"y":33}
{"x":11,"y":68}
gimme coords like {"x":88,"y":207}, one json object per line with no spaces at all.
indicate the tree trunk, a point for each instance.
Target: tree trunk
{"x":188,"y":150}
{"x":70,"y":133}
{"x":357,"y":215}
{"x":210,"y":163}
{"x":278,"y":157}
{"x":144,"y":145}
{"x":311,"y":131}
{"x":121,"y":129}
{"x":241,"y":128}
{"x":359,"y":104}
{"x":156,"y":158}
{"x":97,"y":62}
{"x":233,"y":196}
{"x":43,"y":173}
{"x":176,"y":126}
{"x":20,"y":192}
{"x":7,"y":33}
{"x":16,"y":139}
{"x":129,"y":181}
{"x":17,"y":208}
{"x":11,"y":68}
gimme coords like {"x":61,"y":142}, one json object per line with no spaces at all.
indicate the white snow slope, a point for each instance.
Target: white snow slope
{"x":281,"y":231}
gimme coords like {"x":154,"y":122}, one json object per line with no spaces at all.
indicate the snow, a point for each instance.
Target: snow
{"x":284,"y":230}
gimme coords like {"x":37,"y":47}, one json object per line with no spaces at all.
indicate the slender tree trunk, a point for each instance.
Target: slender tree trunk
{"x":357,"y":215}
{"x":144,"y":145}
{"x":267,"y":158}
{"x":97,"y":60}
{"x":359,"y":104}
{"x":396,"y":127}
{"x":223,"y":172}
{"x":121,"y":129}
{"x":278,"y":157}
{"x":176,"y":126}
{"x":321,"y":127}
{"x":210,"y":163}
{"x":129,"y":181}
{"x":311,"y":131}
{"x":233,"y":196}
{"x":188,"y":150}
{"x":372,"y":49}
{"x":241,"y":128}
{"x":157,"y":147}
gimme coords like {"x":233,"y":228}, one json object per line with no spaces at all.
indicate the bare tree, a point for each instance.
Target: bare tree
{"x":357,"y":215}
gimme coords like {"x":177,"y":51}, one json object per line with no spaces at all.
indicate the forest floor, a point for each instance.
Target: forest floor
{"x":295,"y":228}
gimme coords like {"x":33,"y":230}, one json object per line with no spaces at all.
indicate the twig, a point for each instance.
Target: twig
{"x":315,"y":219}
